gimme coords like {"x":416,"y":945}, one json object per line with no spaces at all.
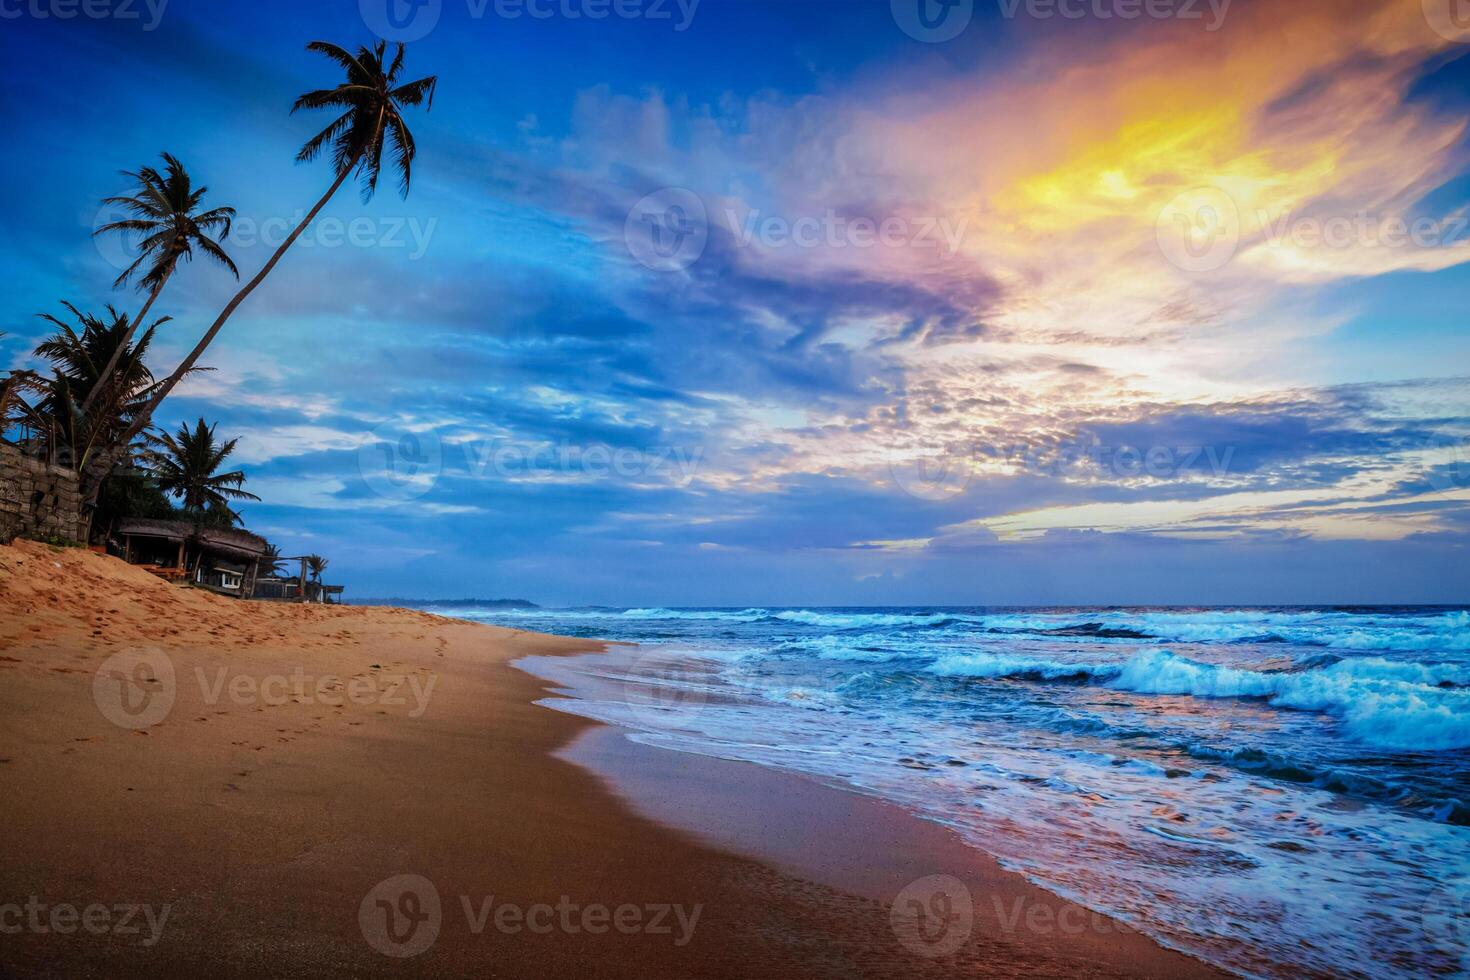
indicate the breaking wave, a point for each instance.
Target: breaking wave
{"x":1387,"y":704}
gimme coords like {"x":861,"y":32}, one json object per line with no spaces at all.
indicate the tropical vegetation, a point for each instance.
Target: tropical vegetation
{"x":186,"y":465}
{"x":89,"y":403}
{"x":316,"y":565}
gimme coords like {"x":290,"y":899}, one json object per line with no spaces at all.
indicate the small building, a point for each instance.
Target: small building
{"x":223,"y":560}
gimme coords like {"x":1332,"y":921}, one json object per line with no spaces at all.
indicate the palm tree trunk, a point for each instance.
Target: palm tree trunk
{"x":168,"y":385}
{"x":117,"y":354}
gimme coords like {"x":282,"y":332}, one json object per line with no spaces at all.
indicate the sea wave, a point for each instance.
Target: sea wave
{"x":712,"y":615}
{"x":837,"y":620}
{"x":1448,"y":631}
{"x":1387,"y":704}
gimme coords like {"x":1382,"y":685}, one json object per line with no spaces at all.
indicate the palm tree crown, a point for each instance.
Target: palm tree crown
{"x":165,"y":212}
{"x":186,"y":465}
{"x":64,"y":432}
{"x":316,"y":564}
{"x":79,"y":358}
{"x":373,"y":101}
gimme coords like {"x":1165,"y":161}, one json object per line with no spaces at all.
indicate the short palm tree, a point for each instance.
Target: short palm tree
{"x":316,"y":564}
{"x":271,"y":563}
{"x":187,"y":465}
{"x":165,"y":212}
{"x":66,"y":434}
{"x":372,"y":100}
{"x":82,"y":357}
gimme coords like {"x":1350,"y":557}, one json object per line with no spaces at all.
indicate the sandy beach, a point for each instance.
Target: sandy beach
{"x":254,"y":813}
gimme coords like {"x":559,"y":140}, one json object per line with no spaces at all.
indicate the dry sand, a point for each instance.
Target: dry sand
{"x":309,"y":753}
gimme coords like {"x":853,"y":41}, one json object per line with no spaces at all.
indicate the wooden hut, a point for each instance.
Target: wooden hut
{"x":223,"y":560}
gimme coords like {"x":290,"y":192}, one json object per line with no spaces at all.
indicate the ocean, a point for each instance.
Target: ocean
{"x":1279,"y":791}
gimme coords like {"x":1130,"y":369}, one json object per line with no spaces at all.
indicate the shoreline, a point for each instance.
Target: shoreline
{"x":826,"y":831}
{"x":257,"y":823}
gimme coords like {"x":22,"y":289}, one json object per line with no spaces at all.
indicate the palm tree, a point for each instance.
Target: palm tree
{"x":165,"y":211}
{"x":80,"y":357}
{"x":186,"y":465}
{"x":373,"y":102}
{"x":271,"y":563}
{"x":66,"y":434}
{"x":12,"y":383}
{"x":316,"y":564}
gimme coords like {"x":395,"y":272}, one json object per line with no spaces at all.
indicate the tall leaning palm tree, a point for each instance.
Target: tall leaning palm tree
{"x":187,"y":465}
{"x":165,"y":211}
{"x":372,"y":102}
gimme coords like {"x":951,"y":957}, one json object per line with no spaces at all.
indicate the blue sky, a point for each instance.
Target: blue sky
{"x":1054,"y":310}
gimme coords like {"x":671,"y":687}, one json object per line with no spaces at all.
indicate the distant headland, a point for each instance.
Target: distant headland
{"x":459,"y":603}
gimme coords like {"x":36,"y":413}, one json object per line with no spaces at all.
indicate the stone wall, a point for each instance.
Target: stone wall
{"x":37,"y":500}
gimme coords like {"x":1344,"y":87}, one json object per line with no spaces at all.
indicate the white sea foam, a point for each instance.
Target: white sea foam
{"x":831,"y":620}
{"x":1387,"y":704}
{"x":714,"y":615}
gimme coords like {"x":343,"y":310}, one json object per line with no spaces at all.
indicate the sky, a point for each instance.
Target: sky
{"x":843,"y":302}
